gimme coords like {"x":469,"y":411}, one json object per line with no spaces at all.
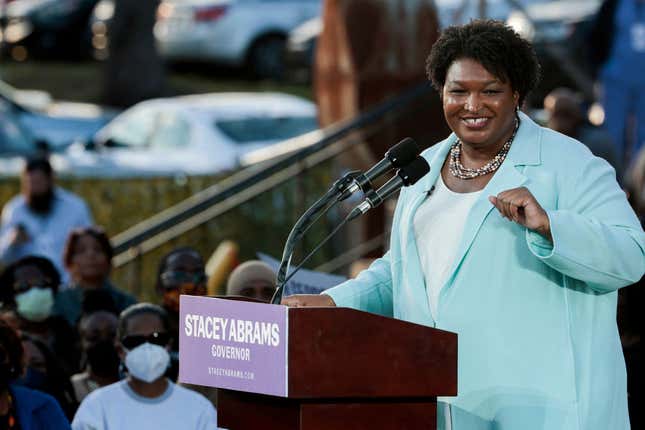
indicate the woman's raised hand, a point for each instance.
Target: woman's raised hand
{"x":520,"y":206}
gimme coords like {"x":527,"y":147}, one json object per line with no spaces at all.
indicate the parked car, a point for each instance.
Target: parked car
{"x":53,"y":123}
{"x":457,"y":12}
{"x":554,"y":21}
{"x":188,"y":135}
{"x":46,"y":28}
{"x":231,"y":32}
{"x":15,"y":140}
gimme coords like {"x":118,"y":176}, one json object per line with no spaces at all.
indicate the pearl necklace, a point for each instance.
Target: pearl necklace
{"x":459,"y":171}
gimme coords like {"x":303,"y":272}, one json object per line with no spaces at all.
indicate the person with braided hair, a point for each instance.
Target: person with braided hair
{"x":20,"y":407}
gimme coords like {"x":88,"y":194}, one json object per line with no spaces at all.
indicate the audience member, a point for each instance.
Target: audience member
{"x":617,"y":44}
{"x":100,"y":361}
{"x":44,"y":373}
{"x":253,"y":279}
{"x":28,"y":287}
{"x":98,"y":299}
{"x":21,"y":407}
{"x":38,"y":221}
{"x":181,"y":271}
{"x":88,"y":258}
{"x":145,"y":399}
{"x":565,"y":115}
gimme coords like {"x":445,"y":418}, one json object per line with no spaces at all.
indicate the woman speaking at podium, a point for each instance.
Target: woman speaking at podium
{"x":517,"y":240}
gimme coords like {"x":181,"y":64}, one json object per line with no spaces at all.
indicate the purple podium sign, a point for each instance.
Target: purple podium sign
{"x":233,"y":344}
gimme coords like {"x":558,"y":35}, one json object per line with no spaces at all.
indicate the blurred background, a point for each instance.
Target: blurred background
{"x":215,"y":123}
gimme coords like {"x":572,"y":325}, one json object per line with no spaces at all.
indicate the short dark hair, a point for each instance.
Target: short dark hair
{"x":39,"y":163}
{"x":141,"y":309}
{"x":8,"y":276}
{"x":163,"y":263}
{"x":10,"y":342}
{"x":494,"y":45}
{"x":98,"y":299}
{"x":96,"y":232}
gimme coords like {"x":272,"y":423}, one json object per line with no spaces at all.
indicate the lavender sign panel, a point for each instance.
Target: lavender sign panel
{"x":233,"y":344}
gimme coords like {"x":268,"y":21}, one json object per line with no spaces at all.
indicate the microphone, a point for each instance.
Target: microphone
{"x":401,"y":154}
{"x":404,"y":177}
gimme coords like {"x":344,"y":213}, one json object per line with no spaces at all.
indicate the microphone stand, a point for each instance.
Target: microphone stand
{"x":355,"y":213}
{"x":405,"y":176}
{"x":324,"y":241}
{"x":311,"y":215}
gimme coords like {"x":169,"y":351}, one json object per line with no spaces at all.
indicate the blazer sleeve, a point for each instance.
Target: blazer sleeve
{"x":370,"y":291}
{"x":597,"y":237}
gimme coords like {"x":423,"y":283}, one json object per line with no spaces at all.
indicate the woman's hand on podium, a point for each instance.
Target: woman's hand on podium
{"x":308,"y":300}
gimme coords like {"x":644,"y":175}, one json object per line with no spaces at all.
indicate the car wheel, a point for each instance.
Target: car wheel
{"x":266,"y":58}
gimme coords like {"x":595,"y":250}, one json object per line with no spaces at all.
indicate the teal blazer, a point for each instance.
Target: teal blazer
{"x":536,"y":322}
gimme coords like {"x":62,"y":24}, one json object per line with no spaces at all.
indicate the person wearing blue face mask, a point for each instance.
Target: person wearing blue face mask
{"x":28,"y":288}
{"x":31,"y":284}
{"x":145,"y":399}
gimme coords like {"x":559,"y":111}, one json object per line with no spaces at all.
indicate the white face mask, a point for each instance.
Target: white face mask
{"x":35,"y":304}
{"x":147,"y":362}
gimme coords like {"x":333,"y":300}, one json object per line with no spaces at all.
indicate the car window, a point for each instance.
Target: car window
{"x":247,"y":130}
{"x":171,"y":130}
{"x":134,"y":128}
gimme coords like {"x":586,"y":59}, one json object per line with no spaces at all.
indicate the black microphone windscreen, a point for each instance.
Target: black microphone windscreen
{"x":403,"y":152}
{"x":414,"y":171}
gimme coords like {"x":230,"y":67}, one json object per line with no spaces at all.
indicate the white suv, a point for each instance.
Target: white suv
{"x":231,"y":32}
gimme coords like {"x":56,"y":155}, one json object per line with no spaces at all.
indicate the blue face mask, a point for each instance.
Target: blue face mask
{"x":147,"y":362}
{"x":33,"y":378}
{"x":35,"y":304}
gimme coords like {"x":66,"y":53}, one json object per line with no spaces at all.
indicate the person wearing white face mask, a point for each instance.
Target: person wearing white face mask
{"x":27,"y":291}
{"x":145,"y":399}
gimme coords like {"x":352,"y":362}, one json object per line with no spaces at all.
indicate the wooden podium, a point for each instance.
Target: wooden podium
{"x":354,"y":370}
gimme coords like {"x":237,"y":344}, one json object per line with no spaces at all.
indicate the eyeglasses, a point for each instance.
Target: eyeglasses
{"x":175,"y":278}
{"x":21,"y":287}
{"x":132,"y":341}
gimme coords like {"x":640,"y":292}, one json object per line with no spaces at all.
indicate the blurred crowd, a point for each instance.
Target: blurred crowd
{"x":75,"y":348}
